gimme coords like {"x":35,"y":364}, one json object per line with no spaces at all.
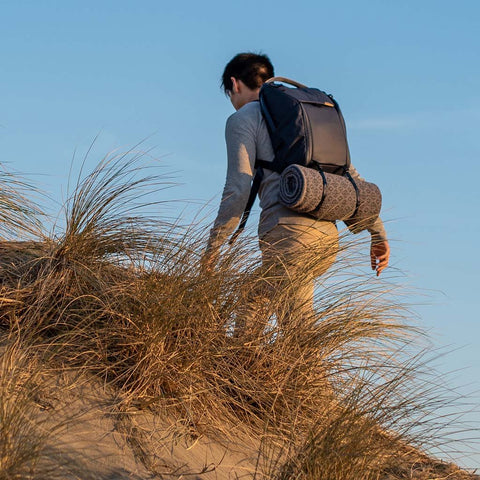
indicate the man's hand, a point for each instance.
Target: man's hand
{"x":379,"y":256}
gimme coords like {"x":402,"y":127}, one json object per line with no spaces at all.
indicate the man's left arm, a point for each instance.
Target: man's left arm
{"x":379,"y":249}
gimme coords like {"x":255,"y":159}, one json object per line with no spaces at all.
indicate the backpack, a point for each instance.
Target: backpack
{"x":307,"y":129}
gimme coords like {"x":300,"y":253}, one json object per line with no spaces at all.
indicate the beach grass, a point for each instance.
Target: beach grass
{"x":119,"y":295}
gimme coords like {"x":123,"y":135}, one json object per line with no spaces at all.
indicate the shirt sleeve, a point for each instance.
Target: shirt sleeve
{"x":240,"y":137}
{"x":377,"y":230}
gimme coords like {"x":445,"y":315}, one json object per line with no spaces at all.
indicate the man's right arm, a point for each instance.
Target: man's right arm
{"x":377,"y":229}
{"x":241,"y":152}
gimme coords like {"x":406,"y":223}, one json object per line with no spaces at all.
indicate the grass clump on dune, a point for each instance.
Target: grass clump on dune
{"x":21,"y":439}
{"x":123,"y":297}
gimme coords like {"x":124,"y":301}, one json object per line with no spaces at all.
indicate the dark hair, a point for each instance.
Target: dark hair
{"x":251,"y":68}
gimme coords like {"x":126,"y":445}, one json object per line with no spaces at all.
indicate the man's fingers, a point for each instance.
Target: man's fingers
{"x":379,"y":256}
{"x":374,"y":258}
{"x":382,"y":265}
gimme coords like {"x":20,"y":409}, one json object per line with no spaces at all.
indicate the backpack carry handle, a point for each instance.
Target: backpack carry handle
{"x":286,"y":80}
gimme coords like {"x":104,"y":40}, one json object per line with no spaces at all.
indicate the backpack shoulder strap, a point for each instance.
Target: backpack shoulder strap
{"x":257,"y":180}
{"x":267,"y":165}
{"x":261,"y":164}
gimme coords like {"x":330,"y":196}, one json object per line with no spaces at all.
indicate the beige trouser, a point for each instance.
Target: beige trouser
{"x":292,"y":257}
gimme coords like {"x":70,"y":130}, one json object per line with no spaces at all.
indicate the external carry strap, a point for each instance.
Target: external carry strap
{"x":286,"y":80}
{"x":257,"y":180}
{"x":357,"y":191}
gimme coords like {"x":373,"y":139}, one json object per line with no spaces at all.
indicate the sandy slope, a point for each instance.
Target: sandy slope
{"x":98,"y":441}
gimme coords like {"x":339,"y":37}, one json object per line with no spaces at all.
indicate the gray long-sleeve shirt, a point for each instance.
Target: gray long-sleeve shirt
{"x":247,"y":139}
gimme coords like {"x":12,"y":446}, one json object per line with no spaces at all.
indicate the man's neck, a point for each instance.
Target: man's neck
{"x":249,"y":96}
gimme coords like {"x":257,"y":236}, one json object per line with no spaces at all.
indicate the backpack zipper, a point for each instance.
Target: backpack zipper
{"x":308,"y":138}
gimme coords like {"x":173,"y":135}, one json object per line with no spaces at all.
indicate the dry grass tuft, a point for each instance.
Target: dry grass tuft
{"x":21,"y":439}
{"x":19,"y":215}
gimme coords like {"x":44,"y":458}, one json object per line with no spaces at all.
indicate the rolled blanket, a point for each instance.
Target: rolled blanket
{"x":340,"y":199}
{"x":301,"y":189}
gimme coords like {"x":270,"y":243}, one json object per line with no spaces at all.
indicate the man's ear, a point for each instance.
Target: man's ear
{"x":235,"y":85}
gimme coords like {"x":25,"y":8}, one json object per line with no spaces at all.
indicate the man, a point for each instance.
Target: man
{"x":286,"y":237}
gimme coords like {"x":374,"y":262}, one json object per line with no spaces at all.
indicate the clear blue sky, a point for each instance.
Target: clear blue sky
{"x":406,"y":74}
